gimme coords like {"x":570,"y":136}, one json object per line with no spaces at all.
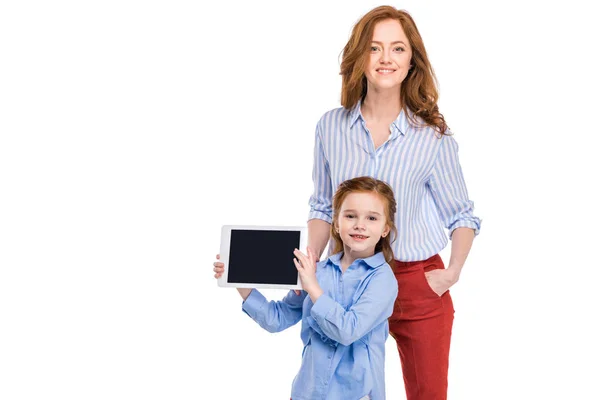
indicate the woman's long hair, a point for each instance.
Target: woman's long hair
{"x":418,"y":91}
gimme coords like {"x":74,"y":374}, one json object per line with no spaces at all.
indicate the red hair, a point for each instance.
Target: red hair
{"x":418,"y":92}
{"x":369,"y":185}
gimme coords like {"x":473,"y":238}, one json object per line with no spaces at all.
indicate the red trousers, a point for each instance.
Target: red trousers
{"x":422,"y":325}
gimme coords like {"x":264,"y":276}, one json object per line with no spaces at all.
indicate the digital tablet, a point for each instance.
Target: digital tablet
{"x":261,"y":256}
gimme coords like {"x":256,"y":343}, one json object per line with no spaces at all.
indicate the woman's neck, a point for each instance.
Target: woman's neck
{"x":381,"y":105}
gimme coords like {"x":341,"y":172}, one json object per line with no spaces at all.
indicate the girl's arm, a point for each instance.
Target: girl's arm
{"x":373,"y":306}
{"x":274,"y":316}
{"x":244,"y":292}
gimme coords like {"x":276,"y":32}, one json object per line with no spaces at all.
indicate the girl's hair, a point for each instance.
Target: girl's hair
{"x":418,"y":91}
{"x":370,"y":185}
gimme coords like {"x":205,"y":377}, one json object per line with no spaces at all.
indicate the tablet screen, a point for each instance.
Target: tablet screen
{"x":263,"y":256}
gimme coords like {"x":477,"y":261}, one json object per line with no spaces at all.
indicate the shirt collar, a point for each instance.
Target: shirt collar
{"x":355,"y":113}
{"x":399,"y":126}
{"x":375,"y":261}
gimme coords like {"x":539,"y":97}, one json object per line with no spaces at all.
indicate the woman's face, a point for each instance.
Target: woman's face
{"x":389,"y":59}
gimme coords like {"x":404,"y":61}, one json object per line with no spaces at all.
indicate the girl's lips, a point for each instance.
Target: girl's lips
{"x":359,"y":237}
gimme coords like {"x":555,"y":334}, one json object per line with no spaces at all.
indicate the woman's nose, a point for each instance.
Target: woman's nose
{"x":385,"y":57}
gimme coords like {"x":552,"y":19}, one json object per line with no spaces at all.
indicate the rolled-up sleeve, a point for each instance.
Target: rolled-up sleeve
{"x":449,"y":190}
{"x":321,"y":199}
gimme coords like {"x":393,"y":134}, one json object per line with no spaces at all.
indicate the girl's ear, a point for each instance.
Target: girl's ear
{"x":386,"y":230}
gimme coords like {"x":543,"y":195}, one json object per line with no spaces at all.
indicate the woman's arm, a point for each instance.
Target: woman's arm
{"x":462,"y":239}
{"x":318,"y":236}
{"x":450,"y":195}
{"x":319,"y":217}
{"x":449,"y":191}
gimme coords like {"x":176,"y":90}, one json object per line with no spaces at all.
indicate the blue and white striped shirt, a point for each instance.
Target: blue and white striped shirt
{"x":422,"y":169}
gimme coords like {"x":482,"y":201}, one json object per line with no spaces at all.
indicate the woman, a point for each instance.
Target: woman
{"x":390,"y":128}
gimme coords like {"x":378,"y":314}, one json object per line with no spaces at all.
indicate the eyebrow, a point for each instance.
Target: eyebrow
{"x":396,"y":42}
{"x":370,"y":212}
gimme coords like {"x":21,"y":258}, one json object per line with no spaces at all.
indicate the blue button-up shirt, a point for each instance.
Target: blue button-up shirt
{"x":343,"y":333}
{"x":422,"y":169}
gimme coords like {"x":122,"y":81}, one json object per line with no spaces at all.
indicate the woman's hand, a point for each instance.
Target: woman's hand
{"x":440,"y":280}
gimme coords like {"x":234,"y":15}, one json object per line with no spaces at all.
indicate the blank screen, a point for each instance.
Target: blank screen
{"x":263,"y":257}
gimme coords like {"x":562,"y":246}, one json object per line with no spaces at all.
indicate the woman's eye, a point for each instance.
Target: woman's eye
{"x":374,"y":48}
{"x":400,"y":49}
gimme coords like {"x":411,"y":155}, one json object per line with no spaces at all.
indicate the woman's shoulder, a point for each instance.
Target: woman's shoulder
{"x":334,"y":117}
{"x":422,"y":129}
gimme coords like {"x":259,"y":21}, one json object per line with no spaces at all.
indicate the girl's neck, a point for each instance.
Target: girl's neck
{"x":349,"y":257}
{"x":381,"y":106}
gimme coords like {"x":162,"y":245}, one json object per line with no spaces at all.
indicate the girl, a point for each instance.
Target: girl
{"x":346,"y":301}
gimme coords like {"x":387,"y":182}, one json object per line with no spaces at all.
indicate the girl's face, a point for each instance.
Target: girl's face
{"x":361,"y":223}
{"x":389,"y":61}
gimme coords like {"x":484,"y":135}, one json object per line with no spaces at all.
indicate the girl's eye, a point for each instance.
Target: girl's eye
{"x":374,"y":48}
{"x":349,"y":216}
{"x":372,"y":219}
{"x":400,"y":49}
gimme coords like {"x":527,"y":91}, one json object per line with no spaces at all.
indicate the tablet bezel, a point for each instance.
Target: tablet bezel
{"x":225,"y":247}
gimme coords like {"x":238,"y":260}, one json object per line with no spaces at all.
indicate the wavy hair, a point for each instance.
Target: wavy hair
{"x":369,"y":185}
{"x":418,"y":92}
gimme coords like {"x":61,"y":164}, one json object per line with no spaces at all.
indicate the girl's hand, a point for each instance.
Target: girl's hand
{"x":219,"y":267}
{"x":307,"y":269}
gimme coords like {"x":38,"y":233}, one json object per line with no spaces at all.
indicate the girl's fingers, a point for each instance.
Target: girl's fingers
{"x":300,"y":256}
{"x":298,"y":266}
{"x":219,"y":264}
{"x":218,"y":256}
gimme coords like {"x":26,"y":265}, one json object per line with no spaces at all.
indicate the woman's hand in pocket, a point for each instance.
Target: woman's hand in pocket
{"x":440,"y":280}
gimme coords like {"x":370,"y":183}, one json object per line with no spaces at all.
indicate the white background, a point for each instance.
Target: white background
{"x":131,"y":131}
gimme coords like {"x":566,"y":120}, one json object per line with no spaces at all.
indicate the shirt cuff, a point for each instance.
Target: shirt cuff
{"x":322,"y":308}
{"x":253,"y":303}
{"x":314,"y":214}
{"x":475,"y":225}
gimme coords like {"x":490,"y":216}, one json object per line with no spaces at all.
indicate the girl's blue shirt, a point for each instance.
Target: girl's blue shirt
{"x":343,"y":333}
